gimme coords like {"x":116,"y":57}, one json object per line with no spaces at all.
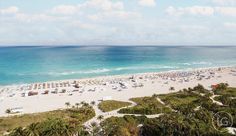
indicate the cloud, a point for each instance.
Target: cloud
{"x":148,"y":3}
{"x":107,"y":10}
{"x":79,"y":24}
{"x":230,"y":25}
{"x":104,"y":16}
{"x":12,"y":14}
{"x":114,"y":22}
{"x":93,"y":9}
{"x":195,"y":10}
{"x":65,"y":9}
{"x":9,"y":10}
{"x":100,"y":5}
{"x":88,"y":21}
{"x":228,"y":11}
{"x":224,"y":2}
{"x":106,"y":5}
{"x":201,"y":10}
{"x":31,"y":18}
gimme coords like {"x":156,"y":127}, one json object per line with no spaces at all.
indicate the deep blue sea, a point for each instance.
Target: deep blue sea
{"x":37,"y":64}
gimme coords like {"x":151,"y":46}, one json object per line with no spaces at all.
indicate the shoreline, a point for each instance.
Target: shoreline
{"x":119,"y":75}
{"x":118,"y":87}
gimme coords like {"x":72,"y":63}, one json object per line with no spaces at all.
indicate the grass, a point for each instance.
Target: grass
{"x":79,"y":115}
{"x":146,"y":105}
{"x":229,"y":91}
{"x":178,"y":99}
{"x":220,"y":99}
{"x":186,"y":119}
{"x":225,"y":96}
{"x":111,"y":105}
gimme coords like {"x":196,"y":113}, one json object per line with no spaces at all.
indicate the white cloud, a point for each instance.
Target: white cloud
{"x":110,"y":22}
{"x":9,"y":10}
{"x":107,"y":10}
{"x":79,"y":24}
{"x":230,"y":25}
{"x":201,"y":10}
{"x":92,"y":19}
{"x":102,"y":5}
{"x":30,"y":18}
{"x":65,"y":9}
{"x":195,"y":10}
{"x":13,"y":14}
{"x":229,"y":11}
{"x":149,"y":3}
{"x":103,"y":16}
{"x":224,"y":2}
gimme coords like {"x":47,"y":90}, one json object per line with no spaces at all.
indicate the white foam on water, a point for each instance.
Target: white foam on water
{"x":196,"y":63}
{"x":97,"y":71}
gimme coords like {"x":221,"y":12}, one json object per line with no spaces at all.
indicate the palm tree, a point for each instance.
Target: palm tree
{"x":57,"y":127}
{"x":67,"y":104}
{"x":82,"y":103}
{"x":85,"y":104}
{"x":154,"y":95}
{"x":172,"y":88}
{"x":77,"y":105}
{"x":8,"y":111}
{"x":100,"y":117}
{"x":93,"y":103}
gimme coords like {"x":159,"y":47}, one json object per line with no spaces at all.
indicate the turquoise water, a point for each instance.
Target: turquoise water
{"x":37,"y":64}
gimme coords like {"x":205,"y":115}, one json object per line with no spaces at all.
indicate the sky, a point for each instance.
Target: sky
{"x":117,"y":22}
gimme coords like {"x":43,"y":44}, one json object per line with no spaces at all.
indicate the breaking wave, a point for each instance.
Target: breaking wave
{"x":97,"y":71}
{"x":196,"y":63}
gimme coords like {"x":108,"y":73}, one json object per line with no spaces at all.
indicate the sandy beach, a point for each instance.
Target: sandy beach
{"x":47,"y":96}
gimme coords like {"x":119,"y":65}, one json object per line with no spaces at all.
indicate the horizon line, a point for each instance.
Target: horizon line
{"x":114,"y":45}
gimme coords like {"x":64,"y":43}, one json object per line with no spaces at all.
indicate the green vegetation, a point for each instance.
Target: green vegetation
{"x":185,"y":113}
{"x":74,"y":117}
{"x":146,"y":105}
{"x":176,"y":100}
{"x":186,"y":120}
{"x":224,"y":99}
{"x":226,"y":96}
{"x":67,"y":104}
{"x":220,"y":87}
{"x":100,"y":117}
{"x":198,"y":123}
{"x":111,"y":105}
{"x":184,"y":101}
{"x":187,"y":99}
{"x":168,"y":124}
{"x":228,"y":91}
{"x":121,"y":126}
{"x":49,"y":127}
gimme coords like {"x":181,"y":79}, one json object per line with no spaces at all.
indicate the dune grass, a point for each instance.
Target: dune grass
{"x":146,"y":105}
{"x":111,"y":105}
{"x":185,"y":120}
{"x":229,"y":91}
{"x":178,"y":99}
{"x":226,"y":96}
{"x":79,"y":116}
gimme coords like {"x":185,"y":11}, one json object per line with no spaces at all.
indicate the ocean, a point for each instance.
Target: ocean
{"x":25,"y":64}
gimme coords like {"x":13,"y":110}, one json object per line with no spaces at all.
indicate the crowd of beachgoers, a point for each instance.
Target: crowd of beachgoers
{"x":52,"y":95}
